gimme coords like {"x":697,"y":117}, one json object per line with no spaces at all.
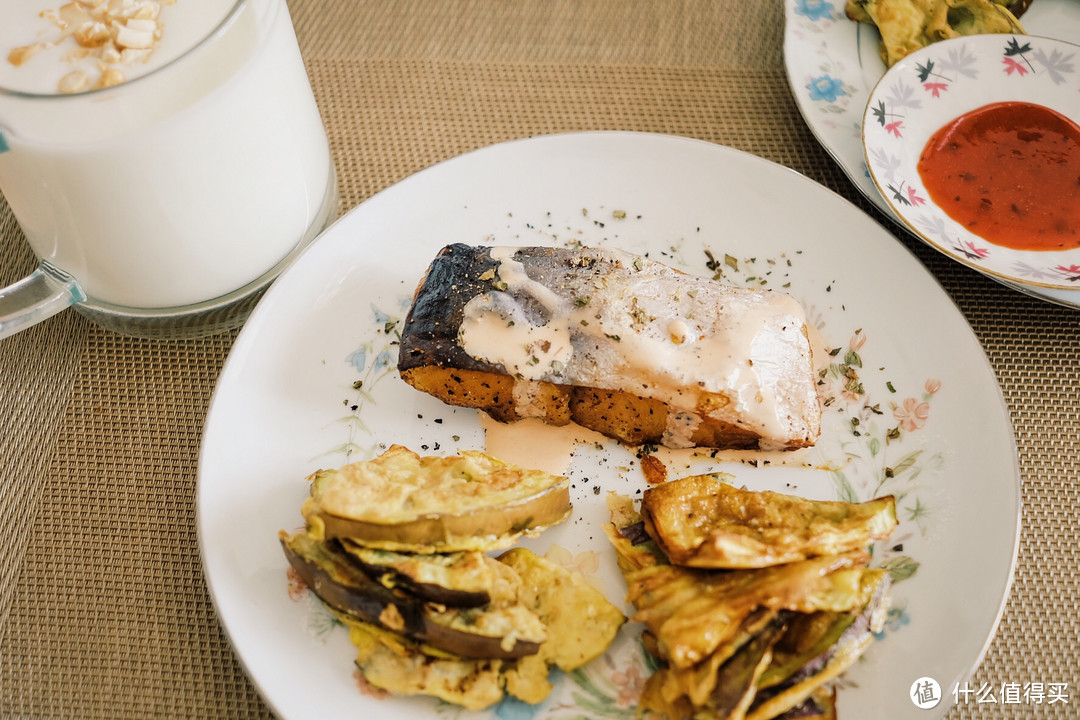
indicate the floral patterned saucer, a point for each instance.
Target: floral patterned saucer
{"x":932,"y":87}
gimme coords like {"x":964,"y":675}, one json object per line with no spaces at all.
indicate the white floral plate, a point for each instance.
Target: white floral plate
{"x":833,"y":64}
{"x":931,"y":87}
{"x":912,"y":408}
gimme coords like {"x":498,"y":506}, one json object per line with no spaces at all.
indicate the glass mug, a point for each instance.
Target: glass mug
{"x":163,"y":205}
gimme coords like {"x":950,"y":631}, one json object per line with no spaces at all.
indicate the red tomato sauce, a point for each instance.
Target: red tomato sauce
{"x":1010,"y":173}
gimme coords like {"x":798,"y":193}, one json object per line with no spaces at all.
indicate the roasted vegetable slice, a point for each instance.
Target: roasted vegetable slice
{"x":698,"y":682}
{"x":829,"y":665}
{"x":753,"y":643}
{"x":909,"y":25}
{"x":634,"y":549}
{"x":461,"y":579}
{"x":675,"y":603}
{"x":578,"y":621}
{"x":700,"y":521}
{"x":503,"y":632}
{"x":404,"y":502}
{"x":736,"y":684}
{"x":395,"y":664}
{"x":581,"y":622}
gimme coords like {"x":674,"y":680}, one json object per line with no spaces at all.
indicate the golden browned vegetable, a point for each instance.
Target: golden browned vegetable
{"x":462,"y":579}
{"x":393,"y":548}
{"x":404,"y":502}
{"x":398,"y":665}
{"x":703,"y":522}
{"x":909,"y":25}
{"x":508,"y":631}
{"x":675,"y":603}
{"x":746,"y":644}
{"x":579,"y":623}
{"x":615,"y":342}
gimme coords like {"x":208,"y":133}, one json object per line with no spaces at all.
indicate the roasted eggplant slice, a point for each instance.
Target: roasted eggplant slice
{"x":404,"y":502}
{"x":826,"y":667}
{"x":507,"y":632}
{"x":697,"y":683}
{"x":675,"y":603}
{"x":909,"y":25}
{"x":702,"y":522}
{"x":579,"y":623}
{"x":460,"y":579}
{"x":634,"y":549}
{"x":736,"y":683}
{"x":808,"y":636}
{"x":757,"y":643}
{"x":395,"y":664}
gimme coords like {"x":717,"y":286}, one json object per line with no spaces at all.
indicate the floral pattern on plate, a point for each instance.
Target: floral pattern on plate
{"x":933,"y":86}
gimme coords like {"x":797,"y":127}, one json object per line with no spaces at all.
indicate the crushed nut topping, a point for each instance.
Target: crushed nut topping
{"x":116,"y":33}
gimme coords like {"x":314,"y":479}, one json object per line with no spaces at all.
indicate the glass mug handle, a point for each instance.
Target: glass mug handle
{"x":39,"y":295}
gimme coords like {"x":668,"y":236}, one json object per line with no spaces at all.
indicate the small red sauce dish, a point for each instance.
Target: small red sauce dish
{"x":974,"y":143}
{"x":1010,"y":173}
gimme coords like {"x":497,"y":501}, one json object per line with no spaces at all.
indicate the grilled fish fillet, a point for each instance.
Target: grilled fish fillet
{"x":618,"y":343}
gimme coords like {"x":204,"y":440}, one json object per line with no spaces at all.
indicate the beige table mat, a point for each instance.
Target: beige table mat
{"x":103,"y":610}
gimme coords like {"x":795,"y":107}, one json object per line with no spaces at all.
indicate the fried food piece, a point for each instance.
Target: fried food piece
{"x":909,"y":25}
{"x":504,"y":630}
{"x":578,"y":621}
{"x":404,"y":502}
{"x":702,"y":522}
{"x":756,"y":643}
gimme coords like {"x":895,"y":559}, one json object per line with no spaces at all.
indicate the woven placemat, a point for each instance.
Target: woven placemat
{"x":103,"y":610}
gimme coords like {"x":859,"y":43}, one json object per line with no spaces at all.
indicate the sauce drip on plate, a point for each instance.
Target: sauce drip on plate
{"x":1010,"y":173}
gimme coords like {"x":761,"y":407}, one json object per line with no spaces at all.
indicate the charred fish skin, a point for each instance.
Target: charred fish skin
{"x":431,"y":326}
{"x":619,"y":343}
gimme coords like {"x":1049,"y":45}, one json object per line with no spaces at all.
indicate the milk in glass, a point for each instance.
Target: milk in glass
{"x":163,"y":178}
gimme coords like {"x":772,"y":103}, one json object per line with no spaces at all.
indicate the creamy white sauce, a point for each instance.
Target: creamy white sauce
{"x":495,"y":329}
{"x":533,"y":444}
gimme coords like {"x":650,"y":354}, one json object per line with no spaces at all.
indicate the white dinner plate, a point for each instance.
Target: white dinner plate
{"x":311,"y":383}
{"x":833,"y":65}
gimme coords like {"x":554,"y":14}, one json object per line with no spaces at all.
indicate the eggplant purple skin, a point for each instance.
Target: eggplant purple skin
{"x":737,"y":676}
{"x":366,"y":600}
{"x":426,"y":591}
